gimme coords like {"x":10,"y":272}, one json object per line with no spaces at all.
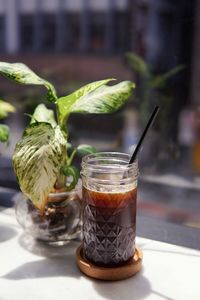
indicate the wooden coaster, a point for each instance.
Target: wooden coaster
{"x":110,"y":273}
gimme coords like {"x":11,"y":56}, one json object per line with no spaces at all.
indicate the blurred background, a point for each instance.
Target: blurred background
{"x":156,"y":44}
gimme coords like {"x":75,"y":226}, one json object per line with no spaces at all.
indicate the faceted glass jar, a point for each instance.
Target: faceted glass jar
{"x":60,"y":222}
{"x":109,"y":208}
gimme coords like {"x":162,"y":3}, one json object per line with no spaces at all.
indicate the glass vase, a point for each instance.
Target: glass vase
{"x":60,"y":222}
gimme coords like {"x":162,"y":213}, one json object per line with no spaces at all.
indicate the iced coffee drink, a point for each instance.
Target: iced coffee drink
{"x":109,"y":208}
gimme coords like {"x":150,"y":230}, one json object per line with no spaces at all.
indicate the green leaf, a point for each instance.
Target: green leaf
{"x":85,"y":149}
{"x":138,"y":64}
{"x":159,"y":81}
{"x":65,"y":103}
{"x":105,"y":99}
{"x":4,"y":133}
{"x":37,"y":160}
{"x":43,"y":114}
{"x":72,"y":174}
{"x":5,"y":109}
{"x":20,"y":73}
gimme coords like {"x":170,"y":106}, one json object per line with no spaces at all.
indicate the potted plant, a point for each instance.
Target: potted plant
{"x":43,"y":158}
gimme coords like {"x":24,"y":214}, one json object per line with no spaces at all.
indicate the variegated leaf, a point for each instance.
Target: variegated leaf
{"x":65,"y":103}
{"x":5,"y":109}
{"x":43,"y":114}
{"x":105,"y":99}
{"x":20,"y":73}
{"x":37,"y":161}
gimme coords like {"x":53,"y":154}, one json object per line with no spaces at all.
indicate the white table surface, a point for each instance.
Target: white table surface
{"x":33,"y":271}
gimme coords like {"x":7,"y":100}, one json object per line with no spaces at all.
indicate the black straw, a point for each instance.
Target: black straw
{"x":153,"y":115}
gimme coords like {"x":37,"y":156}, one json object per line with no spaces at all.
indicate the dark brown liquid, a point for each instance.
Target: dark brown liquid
{"x":109,"y":226}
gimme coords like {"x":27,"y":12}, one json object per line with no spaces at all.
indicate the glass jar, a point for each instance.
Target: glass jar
{"x":109,"y":208}
{"x":61,"y":220}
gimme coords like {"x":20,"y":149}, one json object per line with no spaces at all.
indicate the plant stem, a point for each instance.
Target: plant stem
{"x":60,"y":182}
{"x":61,"y":124}
{"x":69,"y":161}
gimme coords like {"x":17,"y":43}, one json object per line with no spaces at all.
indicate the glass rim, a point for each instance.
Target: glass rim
{"x":118,"y":161}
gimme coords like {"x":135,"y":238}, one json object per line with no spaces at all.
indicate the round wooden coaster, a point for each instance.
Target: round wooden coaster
{"x":110,"y":273}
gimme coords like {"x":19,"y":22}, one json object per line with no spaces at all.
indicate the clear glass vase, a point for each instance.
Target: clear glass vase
{"x":60,"y":222}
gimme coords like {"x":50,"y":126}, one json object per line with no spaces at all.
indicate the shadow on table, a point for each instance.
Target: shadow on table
{"x":6,"y":233}
{"x":46,"y":250}
{"x":57,"y":261}
{"x":134,"y":288}
{"x":48,"y":267}
{"x":137,"y":287}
